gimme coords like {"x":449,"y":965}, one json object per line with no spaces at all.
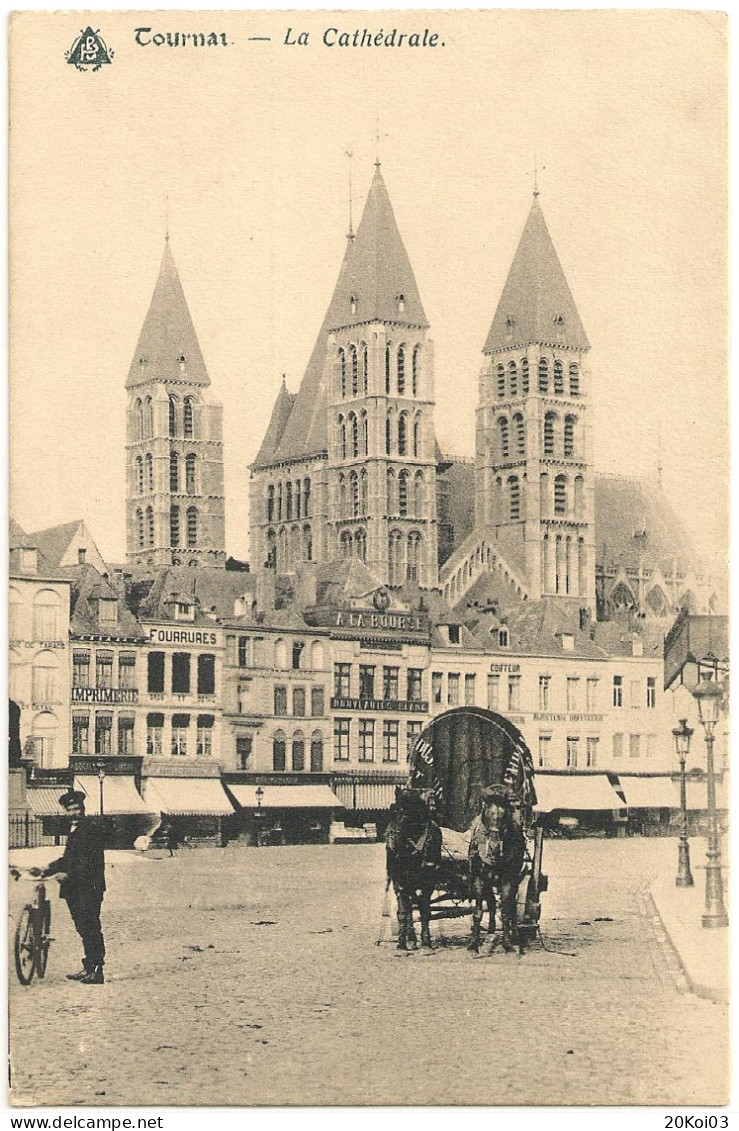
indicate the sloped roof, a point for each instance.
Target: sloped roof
{"x":167,"y":334}
{"x":376,"y":270}
{"x":54,"y":541}
{"x":277,"y":422}
{"x":535,"y":294}
{"x":18,"y":540}
{"x":636,"y":525}
{"x":535,"y":628}
{"x":340,"y":580}
{"x":214,"y":589}
{"x":87,"y":588}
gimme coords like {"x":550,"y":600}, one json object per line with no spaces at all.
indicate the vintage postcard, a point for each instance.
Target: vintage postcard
{"x":368,"y":638}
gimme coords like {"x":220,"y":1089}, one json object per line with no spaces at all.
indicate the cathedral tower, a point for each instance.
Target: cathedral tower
{"x":360,"y":431}
{"x":174,"y":447}
{"x":534,"y":479}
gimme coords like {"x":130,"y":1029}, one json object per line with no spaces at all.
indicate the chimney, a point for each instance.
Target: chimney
{"x":265,"y":591}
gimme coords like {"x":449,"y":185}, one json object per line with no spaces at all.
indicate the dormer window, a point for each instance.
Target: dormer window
{"x":29,"y":560}
{"x":503,"y":638}
{"x":453,"y":630}
{"x":181,"y":360}
{"x":353,"y":300}
{"x":184,"y":610}
{"x":107,"y":610}
{"x":568,"y":642}
{"x":400,"y":300}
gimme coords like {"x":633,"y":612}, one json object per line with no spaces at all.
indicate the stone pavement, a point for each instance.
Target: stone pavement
{"x":703,"y":952}
{"x":251,"y":977}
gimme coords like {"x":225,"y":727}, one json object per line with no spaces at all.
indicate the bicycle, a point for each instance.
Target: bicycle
{"x":32,"y":938}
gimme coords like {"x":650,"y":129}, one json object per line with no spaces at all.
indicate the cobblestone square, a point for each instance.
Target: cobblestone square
{"x":248,"y":977}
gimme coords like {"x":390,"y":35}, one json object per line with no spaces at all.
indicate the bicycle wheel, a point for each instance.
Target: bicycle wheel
{"x":42,"y":954}
{"x":25,"y":946}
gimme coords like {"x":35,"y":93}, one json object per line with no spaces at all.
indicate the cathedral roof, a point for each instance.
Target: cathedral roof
{"x":167,"y":335}
{"x":536,"y":304}
{"x":283,"y":406}
{"x":377,"y":274}
{"x":635,"y":525}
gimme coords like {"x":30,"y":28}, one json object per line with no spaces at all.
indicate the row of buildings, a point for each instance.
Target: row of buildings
{"x":388,"y":582}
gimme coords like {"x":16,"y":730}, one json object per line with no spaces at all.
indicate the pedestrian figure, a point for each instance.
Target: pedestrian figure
{"x":81,"y":875}
{"x":164,"y":837}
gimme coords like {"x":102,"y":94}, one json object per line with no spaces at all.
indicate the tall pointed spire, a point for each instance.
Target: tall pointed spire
{"x":536,"y":304}
{"x":168,"y":345}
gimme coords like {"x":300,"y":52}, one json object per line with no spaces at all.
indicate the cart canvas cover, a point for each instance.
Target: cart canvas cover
{"x":462,"y":752}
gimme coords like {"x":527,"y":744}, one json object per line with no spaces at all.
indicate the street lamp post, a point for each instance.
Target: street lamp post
{"x":684,"y":877}
{"x":259,"y":794}
{"x":708,"y":696}
{"x":101,"y":779}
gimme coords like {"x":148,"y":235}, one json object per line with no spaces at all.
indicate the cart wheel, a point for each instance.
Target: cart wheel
{"x":44,"y":942}
{"x":25,"y":946}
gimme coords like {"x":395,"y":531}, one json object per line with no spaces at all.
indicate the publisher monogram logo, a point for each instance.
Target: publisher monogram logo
{"x":89,"y":51}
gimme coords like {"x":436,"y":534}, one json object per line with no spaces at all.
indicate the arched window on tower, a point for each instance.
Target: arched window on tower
{"x":365,"y":369}
{"x":387,"y":368}
{"x":581,"y":573}
{"x":414,"y":556}
{"x":579,"y":497}
{"x":560,"y":494}
{"x":503,"y":437}
{"x":403,"y":493}
{"x":520,"y":434}
{"x":174,"y":526}
{"x":525,"y":376}
{"x":342,"y":438}
{"x":569,"y":435}
{"x":140,"y":528}
{"x":501,"y":382}
{"x":342,"y":374}
{"x":417,"y":436}
{"x":279,"y":502}
{"x":549,"y":422}
{"x":270,"y":502}
{"x":544,"y":495}
{"x":354,"y":492}
{"x":306,"y":498}
{"x":574,"y":379}
{"x":416,"y":371}
{"x":513,"y":378}
{"x":172,"y":415}
{"x":307,"y":544}
{"x":388,"y":435}
{"x":346,"y":544}
{"x":139,"y":420}
{"x":392,"y":492}
{"x":354,"y":366}
{"x":342,"y":497}
{"x":401,"y":371}
{"x":514,"y":498}
{"x":543,"y":375}
{"x":139,"y":469}
{"x":150,"y":526}
{"x":149,"y":472}
{"x":365,"y":434}
{"x":354,"y":425}
{"x":419,"y":506}
{"x":189,"y":419}
{"x":149,"y":416}
{"x":559,"y":378}
{"x":174,"y":471}
{"x":288,"y":500}
{"x":192,"y":526}
{"x":402,"y":434}
{"x":395,"y":557}
{"x":190,"y":465}
{"x":363,"y":493}
{"x":298,"y":497}
{"x":360,"y":545}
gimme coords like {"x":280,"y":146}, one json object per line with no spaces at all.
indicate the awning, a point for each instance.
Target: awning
{"x":650,"y":793}
{"x":204,"y":796}
{"x":365,"y":794}
{"x":43,"y":802}
{"x":286,"y":797}
{"x":119,"y":795}
{"x":575,"y":793}
{"x":697,"y":795}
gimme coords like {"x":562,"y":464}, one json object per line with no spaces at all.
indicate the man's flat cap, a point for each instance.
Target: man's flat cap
{"x":72,"y":797}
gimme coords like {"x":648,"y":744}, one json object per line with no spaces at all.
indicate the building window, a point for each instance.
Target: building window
{"x":180,"y":673}
{"x":634,"y":745}
{"x":515,"y":498}
{"x":172,"y":416}
{"x":618,"y":691}
{"x":46,"y":616}
{"x":243,"y":652}
{"x":401,"y":371}
{"x":298,"y":754}
{"x":559,"y":380}
{"x":366,"y":681}
{"x":573,"y":693}
{"x":342,"y":680}
{"x":81,"y":669}
{"x":500,"y":374}
{"x":341,"y":739}
{"x":279,"y":761}
{"x":493,"y":692}
{"x":544,"y":681}
{"x":412,"y":731}
{"x":543,"y":375}
{"x":316,"y":752}
{"x":316,"y":702}
{"x":299,"y":702}
{"x":415,"y":676}
{"x":436,"y":687}
{"x":188,"y":419}
{"x":280,"y":700}
{"x":103,"y":734}
{"x":297,"y":652}
{"x":180,"y":727}
{"x":150,"y":525}
{"x":549,"y":434}
{"x":243,"y":751}
{"x":104,"y":669}
{"x":155,"y":673}
{"x":453,"y":632}
{"x":502,"y":637}
{"x":504,"y":440}
{"x":574,"y":380}
{"x":572,"y":747}
{"x":125,"y":734}
{"x":390,"y":684}
{"x":469,"y":689}
{"x":591,"y":752}
{"x":174,"y":472}
{"x":514,"y":692}
{"x":452,"y":689}
{"x":206,"y":675}
{"x":192,"y":526}
{"x":618,"y":745}
{"x":402,"y":434}
{"x":44,"y":679}
{"x":390,"y":731}
{"x":149,"y":461}
{"x":80,"y":734}
{"x":591,"y":693}
{"x":651,"y":691}
{"x":366,"y":740}
{"x":560,"y":495}
{"x":174,"y":526}
{"x":154,"y":734}
{"x":569,"y":438}
{"x":545,"y":751}
{"x":127,"y":670}
{"x":520,"y":434}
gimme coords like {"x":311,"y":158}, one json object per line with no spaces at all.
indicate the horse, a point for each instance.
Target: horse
{"x":413,"y":854}
{"x":496,"y":857}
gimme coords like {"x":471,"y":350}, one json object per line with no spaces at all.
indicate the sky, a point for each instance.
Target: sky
{"x":242,"y":150}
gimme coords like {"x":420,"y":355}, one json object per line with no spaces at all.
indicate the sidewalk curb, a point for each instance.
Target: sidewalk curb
{"x":700,"y":989}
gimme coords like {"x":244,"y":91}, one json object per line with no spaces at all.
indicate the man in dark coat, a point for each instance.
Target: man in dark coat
{"x":81,"y":875}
